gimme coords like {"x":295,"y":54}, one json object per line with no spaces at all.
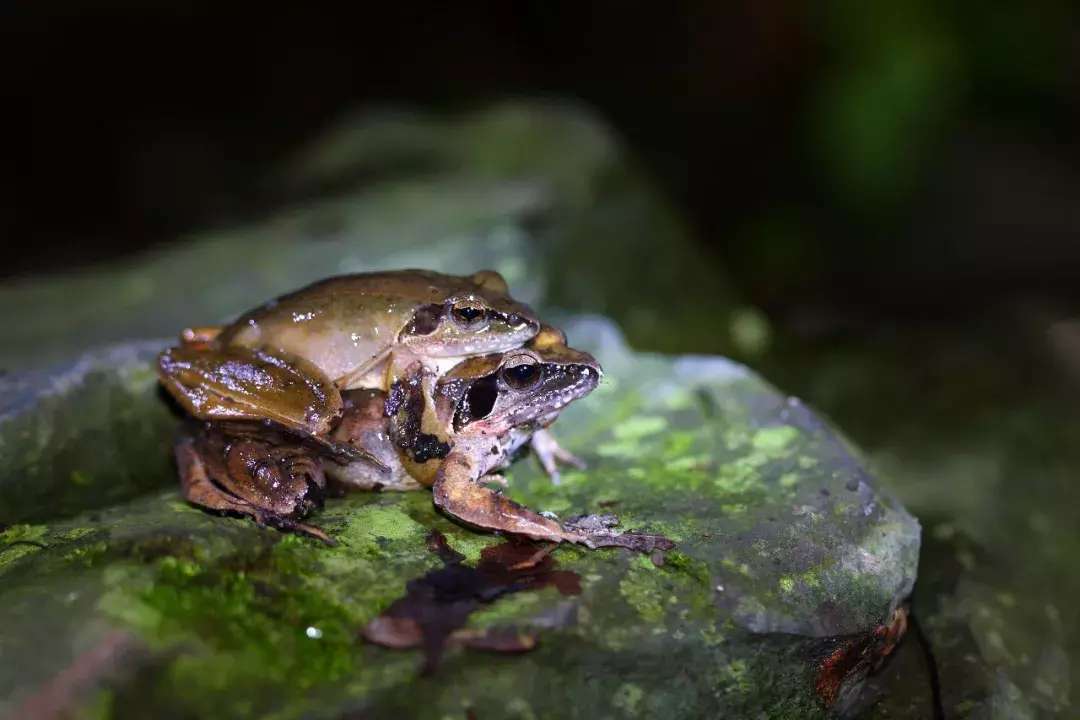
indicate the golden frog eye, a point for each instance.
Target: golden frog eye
{"x":525,"y":374}
{"x":469,"y":315}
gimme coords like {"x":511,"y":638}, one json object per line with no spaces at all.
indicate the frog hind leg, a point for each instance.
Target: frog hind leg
{"x":242,"y":384}
{"x":550,"y":454}
{"x":458,"y":492}
{"x":200,"y":490}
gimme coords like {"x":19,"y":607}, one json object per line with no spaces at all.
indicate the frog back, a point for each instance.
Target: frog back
{"x":337,"y":324}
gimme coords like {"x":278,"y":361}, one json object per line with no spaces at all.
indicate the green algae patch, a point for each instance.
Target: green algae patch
{"x":23,"y":534}
{"x":263,"y":617}
{"x":772,"y":440}
{"x":639,"y":427}
{"x":379,"y":521}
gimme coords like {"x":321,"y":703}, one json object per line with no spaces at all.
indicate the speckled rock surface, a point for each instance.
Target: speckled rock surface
{"x":128,"y":602}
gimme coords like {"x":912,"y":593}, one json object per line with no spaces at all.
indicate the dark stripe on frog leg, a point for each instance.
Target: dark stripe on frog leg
{"x":405,"y":408}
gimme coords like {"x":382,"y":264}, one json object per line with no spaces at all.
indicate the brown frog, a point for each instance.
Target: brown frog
{"x":491,"y":407}
{"x":287,"y":361}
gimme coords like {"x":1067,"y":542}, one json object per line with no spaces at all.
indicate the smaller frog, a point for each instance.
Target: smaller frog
{"x":286,"y":361}
{"x":493,"y":407}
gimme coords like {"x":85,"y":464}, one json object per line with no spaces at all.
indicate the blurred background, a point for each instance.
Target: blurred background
{"x":885,"y":197}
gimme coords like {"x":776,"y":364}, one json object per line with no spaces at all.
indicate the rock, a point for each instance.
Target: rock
{"x":542,"y":192}
{"x":790,"y":561}
{"x":988,"y":464}
{"x":82,"y":435}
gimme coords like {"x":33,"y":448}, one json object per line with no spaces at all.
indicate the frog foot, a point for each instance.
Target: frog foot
{"x":264,"y":520}
{"x":598,"y":533}
{"x":550,"y":454}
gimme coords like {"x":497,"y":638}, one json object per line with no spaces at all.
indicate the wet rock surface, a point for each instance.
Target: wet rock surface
{"x":787,"y":549}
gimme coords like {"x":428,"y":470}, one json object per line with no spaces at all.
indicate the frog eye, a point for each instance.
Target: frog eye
{"x":469,"y":316}
{"x":525,"y":375}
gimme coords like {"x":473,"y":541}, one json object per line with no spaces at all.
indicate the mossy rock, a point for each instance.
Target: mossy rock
{"x":120,"y":599}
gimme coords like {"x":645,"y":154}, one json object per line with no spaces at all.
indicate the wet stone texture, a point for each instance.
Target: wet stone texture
{"x":120,"y":600}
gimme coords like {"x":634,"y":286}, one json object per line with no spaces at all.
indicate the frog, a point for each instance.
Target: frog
{"x":287,"y":361}
{"x":495,"y":408}
{"x":492,"y":407}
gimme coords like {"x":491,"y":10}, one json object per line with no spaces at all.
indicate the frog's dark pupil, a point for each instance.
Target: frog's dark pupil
{"x":468,"y":314}
{"x":521,"y":376}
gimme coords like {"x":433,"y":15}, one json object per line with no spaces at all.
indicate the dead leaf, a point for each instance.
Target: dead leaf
{"x":437,"y":606}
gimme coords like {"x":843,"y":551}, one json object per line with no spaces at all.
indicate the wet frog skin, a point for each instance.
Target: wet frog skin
{"x":287,"y":361}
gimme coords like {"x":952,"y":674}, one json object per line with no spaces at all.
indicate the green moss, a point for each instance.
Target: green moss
{"x":80,"y":477}
{"x":628,"y":699}
{"x":23,"y":533}
{"x":379,"y":521}
{"x":11,"y":553}
{"x":253,"y":610}
{"x":638,"y":427}
{"x":775,"y":439}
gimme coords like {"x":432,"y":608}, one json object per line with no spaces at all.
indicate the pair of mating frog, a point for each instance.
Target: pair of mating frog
{"x":396,"y":380}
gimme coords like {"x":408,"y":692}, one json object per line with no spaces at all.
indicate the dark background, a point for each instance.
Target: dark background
{"x":849,"y":162}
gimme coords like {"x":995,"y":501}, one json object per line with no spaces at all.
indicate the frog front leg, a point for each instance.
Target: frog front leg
{"x":458,"y":490}
{"x":550,"y":453}
{"x":237,"y":383}
{"x":273,"y":485}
